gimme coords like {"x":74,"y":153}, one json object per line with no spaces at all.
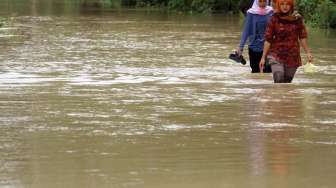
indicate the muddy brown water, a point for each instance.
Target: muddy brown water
{"x":148,"y":99}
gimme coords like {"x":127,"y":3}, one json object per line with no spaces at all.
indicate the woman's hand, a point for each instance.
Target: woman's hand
{"x":310,"y":57}
{"x":267,"y":47}
{"x":239,"y":51}
{"x":262,"y":64}
{"x":307,"y":50}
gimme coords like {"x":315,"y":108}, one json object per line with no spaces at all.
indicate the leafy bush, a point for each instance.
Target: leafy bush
{"x":192,"y":6}
{"x":198,"y":6}
{"x":327,"y":14}
{"x":332,"y":21}
{"x":321,"y":13}
{"x":226,"y":5}
{"x":202,"y":6}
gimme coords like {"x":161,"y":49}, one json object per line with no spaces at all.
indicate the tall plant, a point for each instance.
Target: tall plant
{"x":320,"y":13}
{"x":327,"y":14}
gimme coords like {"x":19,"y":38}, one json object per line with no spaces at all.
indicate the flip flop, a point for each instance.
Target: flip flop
{"x":237,"y":58}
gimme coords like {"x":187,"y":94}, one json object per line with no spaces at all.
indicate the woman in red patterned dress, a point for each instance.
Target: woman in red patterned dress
{"x":283,"y":36}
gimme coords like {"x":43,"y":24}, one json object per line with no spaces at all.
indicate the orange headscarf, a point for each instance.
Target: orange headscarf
{"x":278,"y":2}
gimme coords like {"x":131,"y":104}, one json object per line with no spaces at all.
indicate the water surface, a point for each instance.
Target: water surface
{"x":148,"y":99}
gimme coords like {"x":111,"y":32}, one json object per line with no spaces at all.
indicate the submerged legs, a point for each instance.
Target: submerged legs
{"x":282,"y":73}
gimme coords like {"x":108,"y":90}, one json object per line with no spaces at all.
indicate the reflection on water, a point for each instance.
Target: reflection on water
{"x":131,"y":99}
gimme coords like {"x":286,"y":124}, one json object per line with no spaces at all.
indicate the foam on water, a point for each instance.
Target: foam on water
{"x":273,"y":126}
{"x":18,"y":79}
{"x":175,"y":127}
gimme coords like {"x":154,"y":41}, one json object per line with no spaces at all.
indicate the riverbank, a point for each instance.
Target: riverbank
{"x":317,"y":13}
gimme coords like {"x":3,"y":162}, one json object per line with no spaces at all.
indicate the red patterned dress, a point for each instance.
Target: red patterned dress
{"x":284,"y":37}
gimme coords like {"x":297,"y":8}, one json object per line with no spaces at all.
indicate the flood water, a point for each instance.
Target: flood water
{"x":149,"y":100}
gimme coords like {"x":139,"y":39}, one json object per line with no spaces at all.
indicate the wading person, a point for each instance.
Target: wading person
{"x":254,"y":29}
{"x":283,"y":36}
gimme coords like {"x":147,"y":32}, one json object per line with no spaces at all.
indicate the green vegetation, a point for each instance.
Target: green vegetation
{"x":319,"y":13}
{"x":187,"y":6}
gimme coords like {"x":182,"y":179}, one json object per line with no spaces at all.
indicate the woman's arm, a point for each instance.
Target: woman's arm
{"x":267,"y":46}
{"x":304,"y":44}
{"x":245,"y":34}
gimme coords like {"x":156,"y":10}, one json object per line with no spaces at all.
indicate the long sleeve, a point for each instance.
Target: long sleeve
{"x":246,"y":31}
{"x":270,"y":30}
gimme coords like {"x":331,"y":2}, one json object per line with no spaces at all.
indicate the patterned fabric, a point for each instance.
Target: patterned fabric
{"x":284,"y":37}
